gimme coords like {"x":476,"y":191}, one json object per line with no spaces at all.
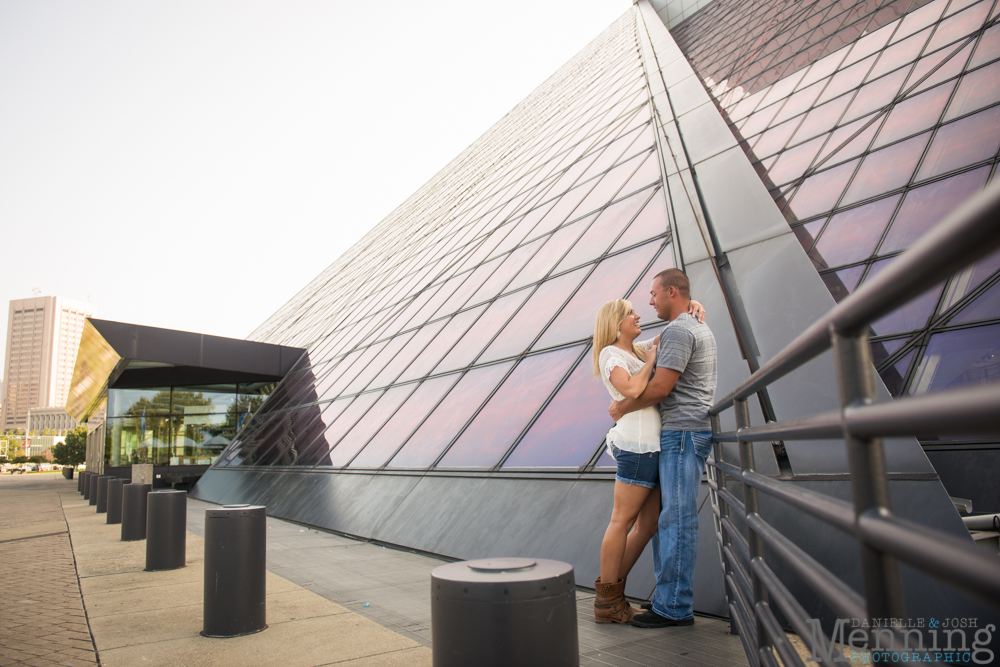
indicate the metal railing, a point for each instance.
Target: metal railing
{"x":883,"y":539}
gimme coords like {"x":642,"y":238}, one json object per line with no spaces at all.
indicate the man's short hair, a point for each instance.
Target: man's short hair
{"x":675,"y":278}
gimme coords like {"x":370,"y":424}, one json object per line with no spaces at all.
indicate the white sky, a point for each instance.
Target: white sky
{"x":191,"y":165}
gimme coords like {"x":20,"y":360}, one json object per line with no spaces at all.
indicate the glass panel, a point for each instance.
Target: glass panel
{"x":984,"y":268}
{"x":310,"y":453}
{"x":758,"y":122}
{"x":799,"y":102}
{"x":819,"y":193}
{"x":535,"y":314}
{"x":457,"y":300}
{"x":571,"y":427}
{"x":852,"y":235}
{"x":959,"y":25}
{"x":842,"y":283}
{"x":975,"y":91}
{"x":847,"y":79}
{"x":377,"y":364}
{"x":414,"y":347}
{"x":346,"y":376}
{"x":348,"y":418}
{"x":953,"y":66}
{"x":875,"y":95}
{"x":648,"y":173}
{"x":403,"y":422}
{"x":609,"y":185}
{"x":988,"y":49}
{"x":512,"y":263}
{"x":775,"y":138}
{"x":546,"y":258}
{"x":650,"y":223}
{"x":959,"y":358}
{"x":565,"y":208}
{"x":917,"y":20}
{"x":887,"y":169}
{"x":440,"y":428}
{"x":433,"y":352}
{"x":473,"y":342}
{"x":380,"y":412}
{"x":895,"y":375}
{"x":639,"y":297}
{"x":912,"y":315}
{"x":807,"y":233}
{"x":822,"y":119}
{"x":985,"y":307}
{"x":915,"y":114}
{"x":290,"y":432}
{"x":793,"y":163}
{"x":612,"y":279}
{"x":603,"y":231}
{"x":134,"y":402}
{"x":901,"y":53}
{"x":963,"y":142}
{"x":927,"y":206}
{"x":498,"y":424}
{"x":858,"y":137}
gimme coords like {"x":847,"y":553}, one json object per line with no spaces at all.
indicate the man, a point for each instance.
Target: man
{"x":684,"y":386}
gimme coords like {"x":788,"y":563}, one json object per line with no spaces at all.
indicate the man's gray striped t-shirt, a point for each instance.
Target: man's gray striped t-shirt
{"x":688,"y":346}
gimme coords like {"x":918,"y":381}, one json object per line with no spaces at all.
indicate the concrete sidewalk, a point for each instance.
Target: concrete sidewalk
{"x":153,"y":618}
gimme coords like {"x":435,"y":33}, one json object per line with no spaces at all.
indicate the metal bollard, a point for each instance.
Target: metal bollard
{"x":79,"y":482}
{"x":504,"y":611}
{"x":86,"y":485}
{"x":166,"y":530}
{"x":67,"y":472}
{"x":235,"y":558}
{"x":102,"y":493}
{"x":134,"y":511}
{"x":92,"y":494}
{"x":115,"y":499}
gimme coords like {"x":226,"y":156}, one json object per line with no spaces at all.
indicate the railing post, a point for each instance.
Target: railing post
{"x":869,"y":484}
{"x":719,"y":477}
{"x":750,"y":504}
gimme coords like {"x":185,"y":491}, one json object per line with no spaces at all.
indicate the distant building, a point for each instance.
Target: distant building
{"x":43,"y":334}
{"x":54,"y":418}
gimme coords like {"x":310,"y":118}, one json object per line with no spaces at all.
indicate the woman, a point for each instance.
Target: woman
{"x":626,"y":366}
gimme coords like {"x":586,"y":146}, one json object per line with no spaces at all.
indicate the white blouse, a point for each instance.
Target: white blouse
{"x":638,"y":431}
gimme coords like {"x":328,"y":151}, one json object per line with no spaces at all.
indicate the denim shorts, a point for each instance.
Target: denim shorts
{"x":637,"y":469}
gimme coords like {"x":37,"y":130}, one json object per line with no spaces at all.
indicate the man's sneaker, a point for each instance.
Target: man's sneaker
{"x":651,"y":619}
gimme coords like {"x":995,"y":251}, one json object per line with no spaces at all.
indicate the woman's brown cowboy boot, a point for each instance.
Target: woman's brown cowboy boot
{"x":610,"y":605}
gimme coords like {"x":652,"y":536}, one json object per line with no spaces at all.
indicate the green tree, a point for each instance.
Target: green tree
{"x":73,"y":452}
{"x":36,"y":459}
{"x":20,"y":459}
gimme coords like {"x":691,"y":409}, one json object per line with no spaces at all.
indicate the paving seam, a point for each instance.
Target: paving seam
{"x":35,"y":537}
{"x":79,"y":587}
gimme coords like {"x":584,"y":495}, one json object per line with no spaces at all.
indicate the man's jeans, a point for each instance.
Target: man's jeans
{"x":675,"y":545}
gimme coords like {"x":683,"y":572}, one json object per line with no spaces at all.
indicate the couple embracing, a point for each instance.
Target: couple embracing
{"x":663,"y":388}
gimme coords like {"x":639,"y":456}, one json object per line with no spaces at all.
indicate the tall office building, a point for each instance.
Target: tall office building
{"x":43,"y":334}
{"x":782,"y":153}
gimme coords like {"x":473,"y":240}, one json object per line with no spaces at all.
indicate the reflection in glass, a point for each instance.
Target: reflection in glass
{"x":341,"y":425}
{"x":895,"y":375}
{"x":537,"y":311}
{"x":819,"y":193}
{"x":612,"y":279}
{"x":914,"y":114}
{"x":650,"y":223}
{"x":925,"y":207}
{"x":310,"y":452}
{"x":510,"y":409}
{"x":793,"y":163}
{"x":853,"y":234}
{"x":886,"y":169}
{"x":553,"y":248}
{"x":985,"y":307}
{"x":571,"y":427}
{"x":379,"y":413}
{"x":975,"y":91}
{"x":967,"y":141}
{"x":403,"y":422}
{"x":441,"y":427}
{"x":412,"y":349}
{"x":472,"y":343}
{"x":605,"y":229}
{"x":910,"y":316}
{"x":437,"y":348}
{"x":959,"y":358}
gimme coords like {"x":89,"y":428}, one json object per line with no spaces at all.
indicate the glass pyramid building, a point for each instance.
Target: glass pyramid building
{"x":781,"y":153}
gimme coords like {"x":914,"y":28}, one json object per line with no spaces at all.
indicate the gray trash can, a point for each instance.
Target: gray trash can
{"x":235,"y":560}
{"x":166,"y":530}
{"x":134,"y":511}
{"x":504,"y":611}
{"x":67,"y":472}
{"x":115,"y":487}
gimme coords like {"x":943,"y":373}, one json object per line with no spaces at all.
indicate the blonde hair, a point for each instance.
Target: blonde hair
{"x":609,"y":318}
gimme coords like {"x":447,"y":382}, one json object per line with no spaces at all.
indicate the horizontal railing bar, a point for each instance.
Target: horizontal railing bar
{"x":963,"y":237}
{"x":744,"y":634}
{"x":733,"y":502}
{"x":738,"y":538}
{"x":793,"y":611}
{"x":837,"y":513}
{"x":730,"y":469}
{"x":844,"y":601}
{"x":789,"y":656}
{"x":743,"y":607}
{"x":742,"y":574}
{"x":966,"y":411}
{"x":726,"y":436}
{"x":942,"y":555}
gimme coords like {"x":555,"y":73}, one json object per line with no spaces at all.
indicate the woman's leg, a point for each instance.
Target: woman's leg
{"x":629,"y":500}
{"x":645,"y":528}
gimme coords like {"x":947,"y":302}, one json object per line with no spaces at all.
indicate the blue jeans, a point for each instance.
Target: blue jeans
{"x":675,"y":545}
